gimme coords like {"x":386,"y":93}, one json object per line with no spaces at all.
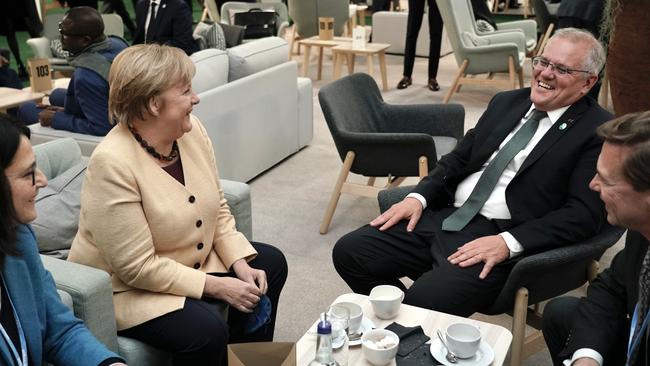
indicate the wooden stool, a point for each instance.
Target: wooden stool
{"x":320,"y":43}
{"x":345,"y":51}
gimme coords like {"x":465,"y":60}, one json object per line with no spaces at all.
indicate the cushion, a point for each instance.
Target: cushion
{"x":57,"y":49}
{"x":234,"y":34}
{"x":484,"y":26}
{"x":211,"y":69}
{"x":58,"y":207}
{"x":255,"y":56}
{"x":472,"y":39}
{"x":210,"y":35}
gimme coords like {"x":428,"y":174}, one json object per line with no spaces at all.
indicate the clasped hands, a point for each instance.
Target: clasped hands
{"x":490,"y":250}
{"x":244,"y":292}
{"x":47,"y":114}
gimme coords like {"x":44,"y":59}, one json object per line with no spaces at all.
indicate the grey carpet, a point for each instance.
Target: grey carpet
{"x":289,"y":200}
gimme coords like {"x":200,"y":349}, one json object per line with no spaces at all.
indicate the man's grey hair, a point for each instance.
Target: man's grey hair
{"x":595,"y":59}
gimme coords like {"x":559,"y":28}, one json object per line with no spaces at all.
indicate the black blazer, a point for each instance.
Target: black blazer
{"x":172,"y":26}
{"x":602,"y":321}
{"x":549,"y":198}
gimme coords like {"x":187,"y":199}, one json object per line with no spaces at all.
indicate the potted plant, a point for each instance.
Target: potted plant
{"x":628,"y":63}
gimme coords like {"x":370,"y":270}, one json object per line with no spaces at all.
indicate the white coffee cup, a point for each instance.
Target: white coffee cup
{"x":463,"y":339}
{"x":386,"y":300}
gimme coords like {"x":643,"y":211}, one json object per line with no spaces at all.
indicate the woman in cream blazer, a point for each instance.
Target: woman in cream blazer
{"x":153,"y":215}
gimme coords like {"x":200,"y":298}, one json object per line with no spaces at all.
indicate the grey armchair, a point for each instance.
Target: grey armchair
{"x":536,"y":278}
{"x":90,"y":288}
{"x":547,"y":23}
{"x":376,"y":139}
{"x":279,"y":8}
{"x":481,"y":53}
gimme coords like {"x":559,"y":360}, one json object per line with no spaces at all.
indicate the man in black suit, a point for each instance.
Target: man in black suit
{"x":171,"y":24}
{"x":540,"y":201}
{"x":596,"y":330}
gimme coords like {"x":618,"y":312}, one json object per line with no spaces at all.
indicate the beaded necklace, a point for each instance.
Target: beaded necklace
{"x":150,"y":149}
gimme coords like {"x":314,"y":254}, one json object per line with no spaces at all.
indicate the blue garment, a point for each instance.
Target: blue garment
{"x":53,"y":333}
{"x":86,"y":100}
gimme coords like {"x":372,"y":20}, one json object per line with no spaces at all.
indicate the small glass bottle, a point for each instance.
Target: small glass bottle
{"x":324,"y":345}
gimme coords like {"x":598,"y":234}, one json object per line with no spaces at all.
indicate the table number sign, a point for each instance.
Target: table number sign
{"x":359,"y":37}
{"x":40,"y":76}
{"x":326,"y":28}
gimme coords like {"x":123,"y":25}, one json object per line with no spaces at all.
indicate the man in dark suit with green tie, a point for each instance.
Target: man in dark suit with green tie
{"x":515,"y":184}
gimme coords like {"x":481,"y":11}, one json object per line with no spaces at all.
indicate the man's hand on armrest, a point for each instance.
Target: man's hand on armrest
{"x":410,"y":208}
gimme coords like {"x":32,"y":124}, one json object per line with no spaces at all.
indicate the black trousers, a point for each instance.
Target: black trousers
{"x":198,"y":334}
{"x":556,"y":326}
{"x":367,"y":257}
{"x":414,"y":22}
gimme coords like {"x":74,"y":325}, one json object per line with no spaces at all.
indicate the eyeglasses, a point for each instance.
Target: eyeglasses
{"x":66,"y":34}
{"x":540,"y":63}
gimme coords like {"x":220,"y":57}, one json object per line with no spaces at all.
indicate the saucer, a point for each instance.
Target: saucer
{"x":366,"y":325}
{"x":483,"y":357}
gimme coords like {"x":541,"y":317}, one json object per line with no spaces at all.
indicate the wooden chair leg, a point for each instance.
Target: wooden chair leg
{"x":603,"y":96}
{"x":521,"y":77}
{"x":461,"y":71}
{"x":519,"y":327}
{"x":371,"y":181}
{"x":544,"y":39}
{"x":395,"y":182}
{"x":511,"y":70}
{"x":336,"y":194}
{"x":423,"y":166}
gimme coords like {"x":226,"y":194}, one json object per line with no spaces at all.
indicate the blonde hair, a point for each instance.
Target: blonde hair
{"x":142,"y":72}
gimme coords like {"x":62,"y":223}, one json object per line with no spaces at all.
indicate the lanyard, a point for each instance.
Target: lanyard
{"x":633,"y":343}
{"x":23,"y":344}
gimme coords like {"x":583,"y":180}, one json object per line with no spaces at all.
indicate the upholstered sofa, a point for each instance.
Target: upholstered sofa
{"x":254,"y":106}
{"x":90,"y":289}
{"x":256,"y":109}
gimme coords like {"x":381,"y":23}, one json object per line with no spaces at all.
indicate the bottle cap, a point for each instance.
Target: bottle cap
{"x":324,"y":327}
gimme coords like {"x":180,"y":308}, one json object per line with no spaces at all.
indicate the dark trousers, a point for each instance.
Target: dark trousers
{"x":556,"y":326}
{"x":198,"y":334}
{"x":367,"y":257}
{"x":414,"y":22}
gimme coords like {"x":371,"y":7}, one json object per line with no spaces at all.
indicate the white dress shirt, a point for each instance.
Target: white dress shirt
{"x":496,"y":207}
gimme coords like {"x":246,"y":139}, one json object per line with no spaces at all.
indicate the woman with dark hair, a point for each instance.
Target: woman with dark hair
{"x":35,"y":326}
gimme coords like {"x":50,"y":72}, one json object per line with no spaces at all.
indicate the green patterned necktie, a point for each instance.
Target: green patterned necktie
{"x":488,"y":180}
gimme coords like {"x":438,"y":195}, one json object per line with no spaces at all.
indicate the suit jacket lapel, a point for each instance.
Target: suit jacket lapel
{"x":511,"y":118}
{"x":559,"y":128}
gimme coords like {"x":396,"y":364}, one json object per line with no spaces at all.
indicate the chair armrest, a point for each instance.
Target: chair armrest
{"x":238,"y":196}
{"x":432,"y":119}
{"x":517,"y":38}
{"x":92,"y":296}
{"x":554,"y":272}
{"x":41,"y":47}
{"x":529,"y":27}
{"x":282,"y":28}
{"x":389,"y":197}
{"x":492,"y":57}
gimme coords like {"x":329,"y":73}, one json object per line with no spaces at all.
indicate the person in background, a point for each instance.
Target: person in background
{"x":83,"y":107}
{"x":8,"y":77}
{"x":153,"y":215}
{"x":493,"y":199}
{"x":166,"y":22}
{"x":610,"y":325}
{"x":36,"y":326}
{"x":414,"y":22}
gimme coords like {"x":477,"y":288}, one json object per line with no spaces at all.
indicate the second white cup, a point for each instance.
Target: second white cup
{"x":463,"y":339}
{"x":386,"y":300}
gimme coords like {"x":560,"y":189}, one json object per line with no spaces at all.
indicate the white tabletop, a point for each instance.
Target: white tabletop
{"x":496,"y":336}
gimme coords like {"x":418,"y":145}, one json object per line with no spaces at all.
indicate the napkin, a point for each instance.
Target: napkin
{"x":420,"y":356}
{"x":410,"y":338}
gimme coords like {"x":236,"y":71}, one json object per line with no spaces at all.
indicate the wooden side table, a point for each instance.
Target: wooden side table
{"x":346,"y":52}
{"x":320,"y":43}
{"x":10,"y":98}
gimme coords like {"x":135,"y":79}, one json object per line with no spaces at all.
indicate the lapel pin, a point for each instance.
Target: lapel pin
{"x":562,"y":126}
{"x":164,"y":6}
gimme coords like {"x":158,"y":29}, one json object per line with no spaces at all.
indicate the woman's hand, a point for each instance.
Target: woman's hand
{"x":240,"y":295}
{"x":255,"y":277}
